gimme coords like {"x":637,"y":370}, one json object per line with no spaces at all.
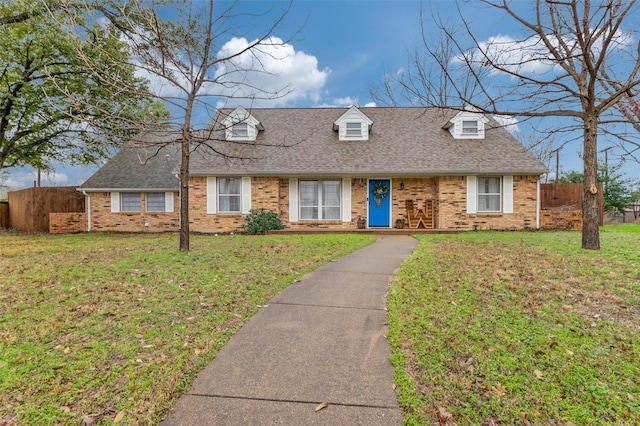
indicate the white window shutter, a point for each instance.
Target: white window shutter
{"x":472,"y":194}
{"x":293,"y":200}
{"x":507,"y":194}
{"x":246,"y":194}
{"x":115,"y":202}
{"x":346,"y":199}
{"x":212,"y":205}
{"x":168,"y":202}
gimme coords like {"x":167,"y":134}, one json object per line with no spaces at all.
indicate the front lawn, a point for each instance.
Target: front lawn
{"x":100,"y":328}
{"x":507,"y":328}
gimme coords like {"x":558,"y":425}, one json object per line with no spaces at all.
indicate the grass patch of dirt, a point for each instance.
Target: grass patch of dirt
{"x":104,"y":327}
{"x":493,"y":328}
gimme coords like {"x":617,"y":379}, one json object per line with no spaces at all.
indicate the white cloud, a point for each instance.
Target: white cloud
{"x":509,"y":122}
{"x":529,"y":56}
{"x":23,"y":179}
{"x":274,"y":68}
{"x":346,"y":101}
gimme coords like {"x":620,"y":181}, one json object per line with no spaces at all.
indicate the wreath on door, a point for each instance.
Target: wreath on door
{"x":379,"y":191}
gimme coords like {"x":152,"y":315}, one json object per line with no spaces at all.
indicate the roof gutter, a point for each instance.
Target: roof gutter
{"x":84,"y":190}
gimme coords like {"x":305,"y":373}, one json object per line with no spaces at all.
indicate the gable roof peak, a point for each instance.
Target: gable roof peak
{"x":353,"y":114}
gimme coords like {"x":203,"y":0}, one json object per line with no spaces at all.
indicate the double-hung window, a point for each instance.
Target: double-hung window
{"x":240,"y":130}
{"x":320,"y":199}
{"x":353,"y":129}
{"x":489,"y":194}
{"x":470,"y":127}
{"x":229,"y":195}
{"x":130,"y":202}
{"x":155,"y":201}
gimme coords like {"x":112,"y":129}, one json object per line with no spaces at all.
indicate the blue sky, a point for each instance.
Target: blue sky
{"x":343,"y":47}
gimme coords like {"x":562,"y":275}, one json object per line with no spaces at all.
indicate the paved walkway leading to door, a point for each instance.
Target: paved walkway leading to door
{"x":321,"y":340}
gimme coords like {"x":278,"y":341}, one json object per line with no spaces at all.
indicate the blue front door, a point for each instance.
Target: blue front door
{"x":380,"y":202}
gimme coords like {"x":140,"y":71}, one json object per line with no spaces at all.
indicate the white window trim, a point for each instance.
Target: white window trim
{"x":240,"y":130}
{"x":146,"y":202}
{"x":320,"y":206}
{"x":501,"y":194}
{"x":139,"y":202}
{"x":351,"y":131}
{"x":239,"y":197}
{"x":212,"y":195}
{"x":467,"y":130}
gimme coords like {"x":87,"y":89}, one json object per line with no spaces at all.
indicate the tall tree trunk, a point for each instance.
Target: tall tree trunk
{"x":184,"y":191}
{"x":590,"y":212}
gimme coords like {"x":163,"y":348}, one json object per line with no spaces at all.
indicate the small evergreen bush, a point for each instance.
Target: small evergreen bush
{"x":259,"y":221}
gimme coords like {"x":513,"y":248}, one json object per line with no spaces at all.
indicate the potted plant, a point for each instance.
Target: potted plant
{"x":400,"y":222}
{"x":362,"y":222}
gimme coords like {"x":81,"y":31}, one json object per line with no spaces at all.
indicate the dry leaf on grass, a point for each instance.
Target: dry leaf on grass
{"x":119,"y":417}
{"x":445,"y":417}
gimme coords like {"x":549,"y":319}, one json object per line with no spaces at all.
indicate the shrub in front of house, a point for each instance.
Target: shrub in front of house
{"x":259,"y":221}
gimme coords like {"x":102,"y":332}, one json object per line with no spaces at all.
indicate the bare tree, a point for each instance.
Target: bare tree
{"x":178,"y":46}
{"x":425,"y":80}
{"x":574,"y":60}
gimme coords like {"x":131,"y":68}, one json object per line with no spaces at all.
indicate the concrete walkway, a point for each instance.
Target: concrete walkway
{"x":320,"y":340}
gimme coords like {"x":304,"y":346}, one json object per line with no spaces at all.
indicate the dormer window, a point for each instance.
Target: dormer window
{"x":470,"y":127}
{"x":353,"y":125}
{"x":240,"y":125}
{"x":468,"y":124}
{"x":354,"y":130}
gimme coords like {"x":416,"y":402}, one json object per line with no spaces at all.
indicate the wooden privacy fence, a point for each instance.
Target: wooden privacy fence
{"x":4,"y":214}
{"x":29,"y":208}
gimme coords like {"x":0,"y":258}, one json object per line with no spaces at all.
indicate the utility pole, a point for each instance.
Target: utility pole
{"x":557,"y":151}
{"x":606,"y":161}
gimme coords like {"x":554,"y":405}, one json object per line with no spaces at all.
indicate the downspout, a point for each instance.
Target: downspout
{"x":538,"y":204}
{"x":88,"y":208}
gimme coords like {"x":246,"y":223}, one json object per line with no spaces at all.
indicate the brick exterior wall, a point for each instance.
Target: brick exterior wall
{"x":272,"y":193}
{"x":452,"y":206}
{"x":67,"y":223}
{"x":102,"y":219}
{"x":200,"y":221}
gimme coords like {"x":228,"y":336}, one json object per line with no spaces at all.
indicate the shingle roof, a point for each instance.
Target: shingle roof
{"x":147,"y":162}
{"x":301,"y":142}
{"x":403,"y":141}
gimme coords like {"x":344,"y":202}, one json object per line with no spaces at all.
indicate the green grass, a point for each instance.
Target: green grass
{"x":519,"y":328}
{"x":115,"y":326}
